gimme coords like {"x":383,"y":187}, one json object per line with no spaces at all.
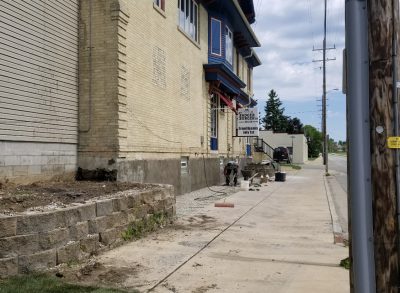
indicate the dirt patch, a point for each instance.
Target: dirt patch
{"x":204,"y":289}
{"x":20,"y":198}
{"x":95,"y":273}
{"x":201,"y":221}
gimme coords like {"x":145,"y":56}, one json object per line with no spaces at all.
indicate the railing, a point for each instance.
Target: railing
{"x":261,"y":146}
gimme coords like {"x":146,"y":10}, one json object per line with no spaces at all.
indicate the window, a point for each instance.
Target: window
{"x":214,"y":115}
{"x":228,"y":45}
{"x":237,"y":63}
{"x":160,"y":4}
{"x":214,"y":123}
{"x":249,"y":73}
{"x":216,"y":37}
{"x":188,"y":18}
{"x":184,"y":165}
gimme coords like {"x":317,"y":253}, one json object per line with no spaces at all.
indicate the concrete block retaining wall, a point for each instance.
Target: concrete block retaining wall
{"x":38,"y":241}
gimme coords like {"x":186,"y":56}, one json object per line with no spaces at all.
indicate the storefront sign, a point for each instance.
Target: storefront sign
{"x":247,"y":122}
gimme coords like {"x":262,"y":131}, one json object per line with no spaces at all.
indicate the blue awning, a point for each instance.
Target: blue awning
{"x":228,"y":81}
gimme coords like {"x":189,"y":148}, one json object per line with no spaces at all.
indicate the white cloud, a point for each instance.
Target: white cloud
{"x":288,"y":30}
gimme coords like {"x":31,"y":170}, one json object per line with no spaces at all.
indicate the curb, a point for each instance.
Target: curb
{"x":337,"y":229}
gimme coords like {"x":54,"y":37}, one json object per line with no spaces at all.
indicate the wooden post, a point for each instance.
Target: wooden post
{"x":381,"y":15}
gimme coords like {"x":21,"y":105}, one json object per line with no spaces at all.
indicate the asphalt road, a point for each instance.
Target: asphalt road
{"x":338,"y":185}
{"x":338,"y":164}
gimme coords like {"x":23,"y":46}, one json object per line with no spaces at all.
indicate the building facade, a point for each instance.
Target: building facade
{"x":38,"y":89}
{"x":296,"y":143}
{"x":155,"y":91}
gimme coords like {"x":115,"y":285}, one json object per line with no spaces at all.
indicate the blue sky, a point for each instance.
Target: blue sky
{"x":288,"y":31}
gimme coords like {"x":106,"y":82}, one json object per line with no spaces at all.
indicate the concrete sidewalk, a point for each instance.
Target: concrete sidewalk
{"x":278,"y":239}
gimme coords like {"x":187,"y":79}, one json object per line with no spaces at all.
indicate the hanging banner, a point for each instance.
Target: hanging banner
{"x":247,"y":122}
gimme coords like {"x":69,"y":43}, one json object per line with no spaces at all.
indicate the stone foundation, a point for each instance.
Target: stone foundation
{"x":38,"y":241}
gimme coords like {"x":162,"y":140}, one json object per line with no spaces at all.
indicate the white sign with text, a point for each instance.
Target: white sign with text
{"x":247,"y":122}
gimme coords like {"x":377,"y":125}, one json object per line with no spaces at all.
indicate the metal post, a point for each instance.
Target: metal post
{"x":359,"y":146}
{"x":325,"y":145}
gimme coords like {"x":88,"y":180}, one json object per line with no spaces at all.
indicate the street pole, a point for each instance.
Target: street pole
{"x":324,"y":94}
{"x":383,"y":18}
{"x":324,"y":60}
{"x":362,"y":261}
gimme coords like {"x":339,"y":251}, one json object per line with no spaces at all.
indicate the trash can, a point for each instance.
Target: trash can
{"x":280,"y":176}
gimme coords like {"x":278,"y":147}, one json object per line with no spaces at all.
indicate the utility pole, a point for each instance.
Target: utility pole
{"x":324,"y":60}
{"x":383,"y":18}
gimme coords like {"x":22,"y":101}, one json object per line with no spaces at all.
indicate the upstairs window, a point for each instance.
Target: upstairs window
{"x":228,"y":45}
{"x":216,"y":37}
{"x":189,"y":19}
{"x":214,"y":116}
{"x":160,"y":4}
{"x":249,"y":78}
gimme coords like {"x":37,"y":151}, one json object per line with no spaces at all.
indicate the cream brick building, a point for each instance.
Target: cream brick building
{"x":159,"y":84}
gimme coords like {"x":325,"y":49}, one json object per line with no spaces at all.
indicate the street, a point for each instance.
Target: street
{"x":338,"y":186}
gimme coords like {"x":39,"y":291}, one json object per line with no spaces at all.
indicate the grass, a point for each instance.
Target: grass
{"x":345,"y":263}
{"x":312,"y":158}
{"x":141,"y":227}
{"x":48,"y":284}
{"x":294,"y":167}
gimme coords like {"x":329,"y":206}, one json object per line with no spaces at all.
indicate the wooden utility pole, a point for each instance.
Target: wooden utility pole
{"x":382,"y":35}
{"x":324,"y":60}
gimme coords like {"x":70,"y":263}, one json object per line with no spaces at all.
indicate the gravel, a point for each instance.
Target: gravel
{"x":189,"y":203}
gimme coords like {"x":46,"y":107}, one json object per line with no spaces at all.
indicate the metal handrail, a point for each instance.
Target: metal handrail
{"x":261,"y":146}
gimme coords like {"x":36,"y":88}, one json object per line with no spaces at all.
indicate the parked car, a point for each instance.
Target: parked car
{"x":281,"y":154}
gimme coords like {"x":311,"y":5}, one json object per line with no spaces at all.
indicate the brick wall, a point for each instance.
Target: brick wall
{"x":38,"y":241}
{"x":149,"y":97}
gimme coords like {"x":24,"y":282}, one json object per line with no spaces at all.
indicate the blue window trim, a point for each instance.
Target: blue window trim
{"x":248,"y":150}
{"x":214,"y":144}
{"x":216,"y":32}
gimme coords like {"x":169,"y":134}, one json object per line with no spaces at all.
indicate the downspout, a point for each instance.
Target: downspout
{"x":90,"y":68}
{"x":249,"y":56}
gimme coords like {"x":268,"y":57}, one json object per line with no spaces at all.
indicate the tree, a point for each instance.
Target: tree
{"x":274,"y":119}
{"x":332,"y":146}
{"x":314,"y":141}
{"x":294,"y":126}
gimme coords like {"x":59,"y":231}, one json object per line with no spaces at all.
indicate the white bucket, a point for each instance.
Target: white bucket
{"x":245,"y":185}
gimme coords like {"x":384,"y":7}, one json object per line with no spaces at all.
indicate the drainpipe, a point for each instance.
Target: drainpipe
{"x":249,"y":56}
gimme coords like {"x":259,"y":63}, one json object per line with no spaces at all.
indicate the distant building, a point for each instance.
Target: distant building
{"x":296,"y":143}
{"x":145,"y":90}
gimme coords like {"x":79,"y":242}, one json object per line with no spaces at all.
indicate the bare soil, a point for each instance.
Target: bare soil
{"x":20,"y":198}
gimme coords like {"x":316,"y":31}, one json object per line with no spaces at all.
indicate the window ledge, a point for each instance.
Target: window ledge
{"x":189,"y":37}
{"x":159,"y":10}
